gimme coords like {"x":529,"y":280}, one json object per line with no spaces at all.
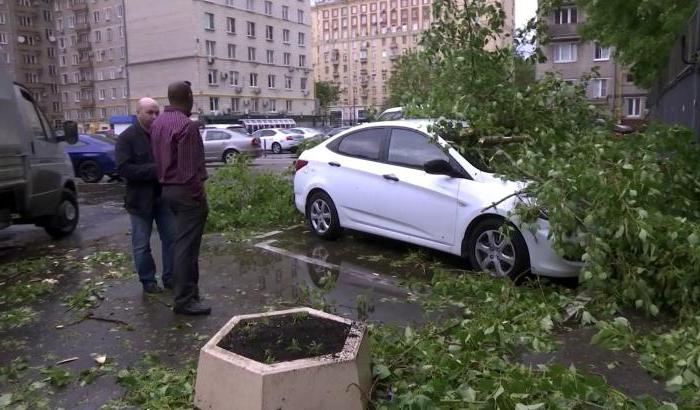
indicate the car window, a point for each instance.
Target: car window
{"x":216,"y":136}
{"x":104,"y":138}
{"x":365,"y":143}
{"x":413,"y":149}
{"x":33,"y":122}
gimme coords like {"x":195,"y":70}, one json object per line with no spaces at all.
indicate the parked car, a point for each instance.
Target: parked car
{"x":309,"y":133}
{"x":36,"y":179}
{"x":233,"y":127}
{"x":93,"y":157}
{"x":278,"y":139}
{"x":221,"y":144}
{"x":391,"y":114}
{"x":389,"y":179}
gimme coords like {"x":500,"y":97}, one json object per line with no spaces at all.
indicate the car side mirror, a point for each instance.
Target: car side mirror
{"x":70,"y":132}
{"x":439,"y":167}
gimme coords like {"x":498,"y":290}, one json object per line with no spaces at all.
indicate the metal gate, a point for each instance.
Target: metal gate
{"x":673,"y":98}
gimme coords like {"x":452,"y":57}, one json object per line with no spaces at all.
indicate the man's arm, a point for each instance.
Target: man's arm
{"x":125,"y":162}
{"x":191,"y":159}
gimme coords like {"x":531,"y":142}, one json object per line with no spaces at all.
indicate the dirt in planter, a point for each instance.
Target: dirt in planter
{"x":283,"y":338}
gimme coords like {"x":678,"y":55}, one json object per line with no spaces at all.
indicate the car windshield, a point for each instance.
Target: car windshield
{"x":285,"y":131}
{"x":104,"y":138}
{"x":238,"y":130}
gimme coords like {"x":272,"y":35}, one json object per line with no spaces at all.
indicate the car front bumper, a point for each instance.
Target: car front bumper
{"x":544,"y":260}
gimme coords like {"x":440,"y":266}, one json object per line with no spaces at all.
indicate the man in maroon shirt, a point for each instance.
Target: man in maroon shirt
{"x":179,"y":157}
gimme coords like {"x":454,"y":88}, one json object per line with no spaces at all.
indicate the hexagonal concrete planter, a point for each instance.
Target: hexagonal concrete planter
{"x":340,"y":380}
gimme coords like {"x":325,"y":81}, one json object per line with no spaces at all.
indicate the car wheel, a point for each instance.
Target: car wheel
{"x":322,"y":216}
{"x":498,"y":249}
{"x":89,"y":171}
{"x":65,"y":220}
{"x":230,"y":156}
{"x":276,"y":148}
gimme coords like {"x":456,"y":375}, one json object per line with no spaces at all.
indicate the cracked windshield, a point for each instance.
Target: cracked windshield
{"x":349,"y":204}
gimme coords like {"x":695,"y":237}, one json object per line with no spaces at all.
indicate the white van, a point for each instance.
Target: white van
{"x":36,"y":175}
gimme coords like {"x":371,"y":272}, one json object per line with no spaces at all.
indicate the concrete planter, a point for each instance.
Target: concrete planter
{"x":226,"y":380}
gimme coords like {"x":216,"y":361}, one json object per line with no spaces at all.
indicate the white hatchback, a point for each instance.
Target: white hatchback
{"x":394,"y":180}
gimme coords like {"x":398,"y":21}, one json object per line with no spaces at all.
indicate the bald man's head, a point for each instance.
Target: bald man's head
{"x":146,"y":112}
{"x":180,"y":95}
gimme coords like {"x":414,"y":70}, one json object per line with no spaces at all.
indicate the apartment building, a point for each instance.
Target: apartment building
{"x":243,"y":57}
{"x":28,"y":48}
{"x":573,"y":58}
{"x":91,"y":42}
{"x":356,"y":43}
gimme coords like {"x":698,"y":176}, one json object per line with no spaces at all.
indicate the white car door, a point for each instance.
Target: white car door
{"x":412,"y":202}
{"x":351,"y":173}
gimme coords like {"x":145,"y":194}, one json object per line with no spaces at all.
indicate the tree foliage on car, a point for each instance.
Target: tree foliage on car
{"x":622,"y":205}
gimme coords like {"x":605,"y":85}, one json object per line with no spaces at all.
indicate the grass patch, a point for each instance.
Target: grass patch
{"x":23,"y":293}
{"x":17,"y":317}
{"x":242,"y":200}
{"x":113,"y":265}
{"x":87,"y":297}
{"x":153,"y":386}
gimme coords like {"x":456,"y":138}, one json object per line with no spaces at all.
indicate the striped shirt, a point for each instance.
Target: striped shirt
{"x":178,"y":151}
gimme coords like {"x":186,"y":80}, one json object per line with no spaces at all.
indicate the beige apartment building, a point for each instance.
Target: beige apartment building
{"x":28,"y":48}
{"x":91,"y":61}
{"x":243,"y":57}
{"x":356,"y":43}
{"x":572,"y":58}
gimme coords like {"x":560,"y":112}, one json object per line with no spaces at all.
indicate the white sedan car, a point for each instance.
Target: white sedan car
{"x":278,"y":139}
{"x":390,"y":179}
{"x":308,"y":133}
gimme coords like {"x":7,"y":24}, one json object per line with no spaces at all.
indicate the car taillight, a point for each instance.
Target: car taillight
{"x":290,"y":138}
{"x":255,"y":142}
{"x":299,"y":164}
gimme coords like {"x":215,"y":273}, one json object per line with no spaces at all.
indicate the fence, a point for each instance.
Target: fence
{"x":673,"y":97}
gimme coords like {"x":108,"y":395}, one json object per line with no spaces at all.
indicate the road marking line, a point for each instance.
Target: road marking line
{"x":266,"y":245}
{"x":266,"y":235}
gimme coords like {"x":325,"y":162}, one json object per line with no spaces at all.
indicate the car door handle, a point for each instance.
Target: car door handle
{"x":334,"y":164}
{"x":390,"y":177}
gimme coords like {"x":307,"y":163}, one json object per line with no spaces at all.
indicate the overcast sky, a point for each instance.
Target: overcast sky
{"x":524,"y":11}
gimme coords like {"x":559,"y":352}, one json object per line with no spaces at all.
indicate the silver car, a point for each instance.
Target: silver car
{"x":225,"y":145}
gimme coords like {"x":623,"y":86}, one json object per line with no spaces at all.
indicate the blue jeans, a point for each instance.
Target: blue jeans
{"x":141,"y":228}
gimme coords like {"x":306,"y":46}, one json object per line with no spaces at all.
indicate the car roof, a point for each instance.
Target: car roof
{"x":418,"y":124}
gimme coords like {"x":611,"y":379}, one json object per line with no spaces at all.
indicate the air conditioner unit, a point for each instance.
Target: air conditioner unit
{"x":306,"y":93}
{"x":291,"y":69}
{"x":210,"y":60}
{"x":224,"y":76}
{"x":265,"y":103}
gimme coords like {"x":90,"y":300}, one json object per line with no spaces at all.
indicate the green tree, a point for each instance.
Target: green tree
{"x":326,"y":93}
{"x":642,"y":32}
{"x":410,"y":78}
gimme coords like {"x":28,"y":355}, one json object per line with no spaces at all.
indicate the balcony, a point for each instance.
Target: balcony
{"x":87,"y":103}
{"x":564,"y":31}
{"x":86,"y":83}
{"x":85,"y":64}
{"x":79,"y":6}
{"x":81,"y":27}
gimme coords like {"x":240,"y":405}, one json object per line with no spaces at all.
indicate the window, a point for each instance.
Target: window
{"x":285,"y":36}
{"x":250,"y":4}
{"x":114,"y":93}
{"x":209,"y":21}
{"x":365,"y":144}
{"x":251,"y":53}
{"x":287,"y":82}
{"x":253,"y":80}
{"x":289,"y":105}
{"x":212,"y":77}
{"x":303,"y":83}
{"x":565,"y":53}
{"x":413,"y":149}
{"x":302,"y":38}
{"x":254,"y":105}
{"x":601,"y":53}
{"x":231,"y":25}
{"x":120,"y":11}
{"x":233,"y":77}
{"x":302,"y":60}
{"x":633,"y":107}
{"x":629,"y":78}
{"x":3,"y":18}
{"x":268,"y":8}
{"x":3,"y":39}
{"x":75,"y":59}
{"x":565,"y":15}
{"x":270,"y":81}
{"x":102,"y":94}
{"x":300,"y":16}
{"x":600,"y":88}
{"x":285,"y":13}
{"x":211,"y":48}
{"x":31,"y":115}
{"x":236,"y":104}
{"x":109,"y":34}
{"x":268,"y":33}
{"x":231,"y":51}
{"x":287,"y":58}
{"x":214,"y":105}
{"x":98,"y":36}
{"x":121,"y":31}
{"x":270,"y":56}
{"x":272,"y":105}
{"x":214,"y":135}
{"x":251,"y":29}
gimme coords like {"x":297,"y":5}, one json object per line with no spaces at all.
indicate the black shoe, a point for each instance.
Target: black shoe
{"x":152,"y":287}
{"x":192,"y":308}
{"x":168,"y":284}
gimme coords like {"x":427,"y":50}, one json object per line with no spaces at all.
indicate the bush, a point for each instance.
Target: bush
{"x":241,"y":199}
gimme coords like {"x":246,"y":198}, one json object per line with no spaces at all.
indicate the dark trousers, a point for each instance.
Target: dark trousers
{"x":189,"y":217}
